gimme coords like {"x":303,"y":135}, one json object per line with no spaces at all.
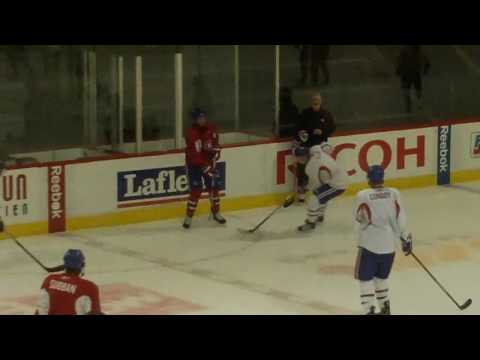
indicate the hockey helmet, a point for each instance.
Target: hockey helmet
{"x":375,"y":173}
{"x":74,"y":259}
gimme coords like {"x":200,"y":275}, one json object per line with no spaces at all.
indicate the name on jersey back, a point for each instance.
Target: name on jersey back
{"x":380,"y":195}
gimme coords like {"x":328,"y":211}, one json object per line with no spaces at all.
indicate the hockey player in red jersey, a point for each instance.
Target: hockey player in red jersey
{"x":68,"y":293}
{"x":201,"y":155}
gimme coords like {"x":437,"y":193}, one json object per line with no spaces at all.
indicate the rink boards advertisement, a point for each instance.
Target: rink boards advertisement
{"x":160,"y":185}
{"x":22,"y":199}
{"x":79,"y":194}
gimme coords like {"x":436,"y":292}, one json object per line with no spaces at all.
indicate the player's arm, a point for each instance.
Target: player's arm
{"x":401,"y":225}
{"x":324,"y":174}
{"x":362,"y":212}
{"x":215,"y":144}
{"x":195,"y":152}
{"x":43,"y":304}
{"x":193,"y":142}
{"x":95,"y":307}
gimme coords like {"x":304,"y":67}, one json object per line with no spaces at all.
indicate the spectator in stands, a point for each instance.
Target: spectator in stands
{"x":412,"y":64}
{"x":288,"y":117}
{"x":316,"y":56}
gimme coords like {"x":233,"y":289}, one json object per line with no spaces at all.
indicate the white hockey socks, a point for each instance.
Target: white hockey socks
{"x":367,"y":295}
{"x":314,"y":209}
{"x":381,"y":291}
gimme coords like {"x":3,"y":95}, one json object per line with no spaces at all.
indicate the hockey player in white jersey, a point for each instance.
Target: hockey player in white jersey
{"x":380,"y":222}
{"x":327,"y":181}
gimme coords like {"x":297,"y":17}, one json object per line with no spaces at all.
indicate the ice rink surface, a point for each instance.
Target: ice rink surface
{"x":160,"y":268}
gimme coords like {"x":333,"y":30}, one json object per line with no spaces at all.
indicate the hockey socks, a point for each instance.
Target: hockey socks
{"x":367,"y":296}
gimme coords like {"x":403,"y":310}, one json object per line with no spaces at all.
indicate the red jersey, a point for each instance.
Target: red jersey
{"x":202,"y":145}
{"x":68,"y":294}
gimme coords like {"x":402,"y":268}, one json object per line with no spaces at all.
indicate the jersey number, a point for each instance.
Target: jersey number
{"x":198,"y":145}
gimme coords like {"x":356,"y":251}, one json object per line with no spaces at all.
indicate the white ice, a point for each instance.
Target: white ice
{"x":160,"y":268}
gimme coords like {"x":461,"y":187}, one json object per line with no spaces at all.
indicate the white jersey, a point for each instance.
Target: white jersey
{"x":380,"y":219}
{"x":323,"y":169}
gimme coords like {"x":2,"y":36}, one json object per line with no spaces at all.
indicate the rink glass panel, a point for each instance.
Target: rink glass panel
{"x":365,"y":92}
{"x":57,"y":97}
{"x":209,"y":84}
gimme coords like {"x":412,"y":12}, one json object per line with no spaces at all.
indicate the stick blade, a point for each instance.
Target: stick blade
{"x":289,"y":201}
{"x":246,"y":231}
{"x":466,"y":304}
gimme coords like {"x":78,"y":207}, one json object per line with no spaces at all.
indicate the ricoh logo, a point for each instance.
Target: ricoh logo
{"x":475,"y":145}
{"x":393,"y":153}
{"x":155,"y":186}
{"x":443,"y":168}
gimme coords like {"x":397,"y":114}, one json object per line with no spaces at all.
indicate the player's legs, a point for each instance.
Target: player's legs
{"x":317,"y":204}
{"x":384,"y":267}
{"x":417,"y":84}
{"x":302,"y":181}
{"x":326,"y":193}
{"x":326,"y":72}
{"x":304,"y":64}
{"x":315,"y":64}
{"x":364,"y":272}
{"x":194,"y":176}
{"x":406,"y":85}
{"x":212,"y":183}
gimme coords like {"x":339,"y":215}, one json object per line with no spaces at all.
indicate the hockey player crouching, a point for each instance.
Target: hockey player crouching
{"x":380,"y":221}
{"x":327,"y":181}
{"x":301,"y":151}
{"x":68,"y":293}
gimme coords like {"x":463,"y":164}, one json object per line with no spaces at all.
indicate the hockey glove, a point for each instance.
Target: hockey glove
{"x":407,"y":243}
{"x":300,"y":151}
{"x":209,"y":170}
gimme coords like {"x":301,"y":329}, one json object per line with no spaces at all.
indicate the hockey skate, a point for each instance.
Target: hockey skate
{"x":218,"y":218}
{"x":307,"y":226}
{"x":187,"y":222}
{"x":385,"y":309}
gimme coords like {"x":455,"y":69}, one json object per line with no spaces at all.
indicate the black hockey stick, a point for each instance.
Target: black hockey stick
{"x":286,"y":203}
{"x":461,"y":307}
{"x":47,"y":269}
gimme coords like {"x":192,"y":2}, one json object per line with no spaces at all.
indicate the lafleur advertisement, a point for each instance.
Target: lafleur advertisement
{"x":156,"y":186}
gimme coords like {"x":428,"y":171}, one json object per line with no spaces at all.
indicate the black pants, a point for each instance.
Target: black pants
{"x":302,"y":178}
{"x":407,"y":83}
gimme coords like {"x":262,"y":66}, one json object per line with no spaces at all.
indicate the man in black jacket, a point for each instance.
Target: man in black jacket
{"x":315,"y":126}
{"x":317,"y":121}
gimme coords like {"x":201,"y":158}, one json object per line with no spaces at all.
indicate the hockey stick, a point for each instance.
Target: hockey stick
{"x":461,"y":307}
{"x":287,"y":202}
{"x":47,"y":269}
